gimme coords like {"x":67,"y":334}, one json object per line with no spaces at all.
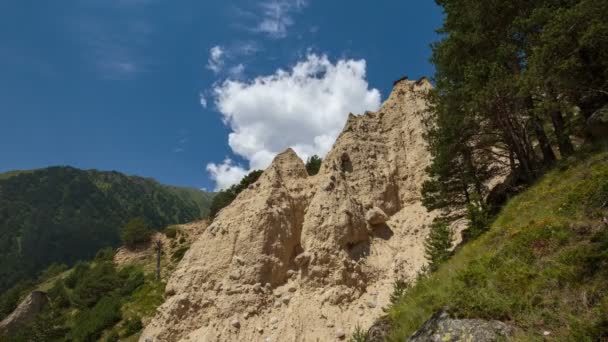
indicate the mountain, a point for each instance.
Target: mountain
{"x":201,"y":198}
{"x":305,"y":258}
{"x":63,"y":214}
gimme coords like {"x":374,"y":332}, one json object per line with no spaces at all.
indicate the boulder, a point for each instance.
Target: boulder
{"x":441,"y":328}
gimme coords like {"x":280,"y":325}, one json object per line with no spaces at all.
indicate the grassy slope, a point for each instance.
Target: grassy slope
{"x":541,"y":267}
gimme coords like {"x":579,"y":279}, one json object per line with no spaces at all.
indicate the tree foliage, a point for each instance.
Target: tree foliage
{"x":438,"y":244}
{"x":313,"y":165}
{"x":224,"y":197}
{"x":515,"y":81}
{"x":135,"y":232}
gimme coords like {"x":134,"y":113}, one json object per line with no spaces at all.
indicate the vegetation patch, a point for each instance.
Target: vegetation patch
{"x":541,"y":267}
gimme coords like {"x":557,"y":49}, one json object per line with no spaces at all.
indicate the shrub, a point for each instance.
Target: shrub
{"x":105,"y":254}
{"x":399,"y":289}
{"x":53,"y":270}
{"x":132,"y":278}
{"x":10,"y":299}
{"x":479,"y":221}
{"x":48,"y":326}
{"x":77,"y":274}
{"x":59,"y":295}
{"x":132,"y":326}
{"x":223,"y":198}
{"x":99,"y":281}
{"x":438,"y":244}
{"x":112,"y":337}
{"x":89,"y":323}
{"x":179,"y":254}
{"x":313,"y":165}
{"x":171,"y":232}
{"x":359,"y":335}
{"x":136,"y":232}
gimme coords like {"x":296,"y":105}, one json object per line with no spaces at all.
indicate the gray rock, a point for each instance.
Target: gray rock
{"x":235,"y":323}
{"x":441,"y":328}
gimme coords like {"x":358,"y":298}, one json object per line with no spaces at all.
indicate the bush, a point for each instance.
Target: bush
{"x":171,"y":232}
{"x":77,"y":274}
{"x":359,"y":335}
{"x":53,"y":270}
{"x":131,"y":278}
{"x":48,"y":326}
{"x":223,"y":198}
{"x":59,"y":295}
{"x":112,"y":337}
{"x":479,"y":221}
{"x":89,"y":324}
{"x":136,"y":232}
{"x":179,"y":254}
{"x":105,"y":254}
{"x":10,"y":299}
{"x":313,"y":165}
{"x":99,"y":281}
{"x":132,"y":326}
{"x":438,"y":244}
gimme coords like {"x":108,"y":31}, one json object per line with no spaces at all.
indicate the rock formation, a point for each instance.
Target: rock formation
{"x":307,"y":258}
{"x":27,"y":310}
{"x":440,"y":327}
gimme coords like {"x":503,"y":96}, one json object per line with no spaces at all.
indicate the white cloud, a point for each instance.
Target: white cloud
{"x":277,"y":17}
{"x":215,"y":61}
{"x":304,"y":108}
{"x":225,"y":174}
{"x":236,"y":72}
{"x":203,"y":100}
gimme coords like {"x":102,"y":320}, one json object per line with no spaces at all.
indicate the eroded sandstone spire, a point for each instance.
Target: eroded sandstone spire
{"x":299,"y":258}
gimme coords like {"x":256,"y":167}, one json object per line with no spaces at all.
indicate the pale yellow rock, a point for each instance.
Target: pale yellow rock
{"x":298,"y":250}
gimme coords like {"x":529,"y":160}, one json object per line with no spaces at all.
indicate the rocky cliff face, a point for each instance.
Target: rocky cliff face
{"x":299,"y":258}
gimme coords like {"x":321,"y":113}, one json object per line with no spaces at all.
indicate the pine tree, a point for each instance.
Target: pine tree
{"x":438,"y":244}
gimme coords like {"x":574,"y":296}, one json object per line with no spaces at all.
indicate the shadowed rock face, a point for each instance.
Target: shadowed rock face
{"x":27,"y":310}
{"x":294,"y":258}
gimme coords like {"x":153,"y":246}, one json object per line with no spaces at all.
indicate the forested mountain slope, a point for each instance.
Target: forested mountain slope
{"x":63,"y":214}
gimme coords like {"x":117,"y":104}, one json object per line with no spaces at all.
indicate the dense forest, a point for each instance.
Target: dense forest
{"x":519,"y":85}
{"x":63,"y":214}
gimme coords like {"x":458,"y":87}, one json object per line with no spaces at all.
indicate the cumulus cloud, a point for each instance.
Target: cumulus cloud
{"x":304,"y":108}
{"x":216,"y":61}
{"x":277,"y":17}
{"x":226,"y":174}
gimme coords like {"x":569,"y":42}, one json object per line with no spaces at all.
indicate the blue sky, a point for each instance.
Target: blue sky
{"x":120,"y":84}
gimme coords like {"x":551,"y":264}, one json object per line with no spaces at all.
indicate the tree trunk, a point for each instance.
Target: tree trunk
{"x":563,"y":140}
{"x":545,"y":146}
{"x":158,"y":252}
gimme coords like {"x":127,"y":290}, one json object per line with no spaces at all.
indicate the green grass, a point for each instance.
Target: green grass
{"x":542,"y":266}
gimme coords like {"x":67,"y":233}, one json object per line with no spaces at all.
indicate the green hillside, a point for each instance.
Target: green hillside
{"x":542,"y":266}
{"x":63,"y":214}
{"x":202,"y":199}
